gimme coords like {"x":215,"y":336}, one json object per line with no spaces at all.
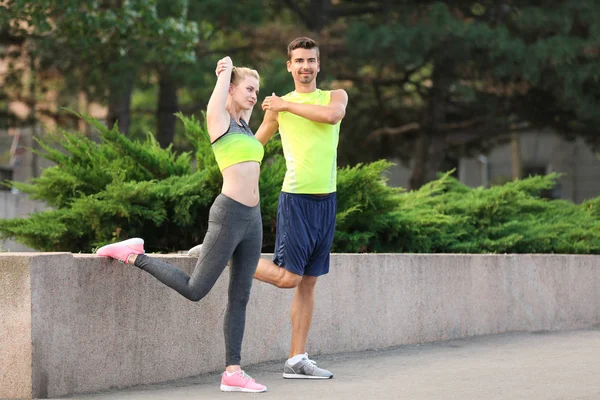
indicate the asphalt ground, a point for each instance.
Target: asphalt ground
{"x":532,"y":366}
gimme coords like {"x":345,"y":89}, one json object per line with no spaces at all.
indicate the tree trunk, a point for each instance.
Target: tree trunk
{"x":167,"y":107}
{"x":319,"y":15}
{"x":515,"y":147}
{"x":437,"y":156}
{"x":82,"y":108}
{"x":434,"y":116}
{"x":419,"y":171}
{"x":314,"y":16}
{"x":34,"y":131}
{"x":119,"y":102}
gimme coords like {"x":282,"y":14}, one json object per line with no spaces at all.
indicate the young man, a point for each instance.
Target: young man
{"x":308,"y":120}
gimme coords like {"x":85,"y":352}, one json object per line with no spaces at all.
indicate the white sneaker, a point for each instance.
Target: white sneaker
{"x":195,"y":251}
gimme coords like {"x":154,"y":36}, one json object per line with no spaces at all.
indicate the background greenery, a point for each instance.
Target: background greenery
{"x":121,"y":188}
{"x":429,"y":81}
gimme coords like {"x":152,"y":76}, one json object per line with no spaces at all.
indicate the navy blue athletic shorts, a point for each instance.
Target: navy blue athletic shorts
{"x":305,"y":228}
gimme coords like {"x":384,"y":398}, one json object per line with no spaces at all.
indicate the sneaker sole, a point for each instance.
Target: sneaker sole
{"x":300,"y":376}
{"x":225,"y":388}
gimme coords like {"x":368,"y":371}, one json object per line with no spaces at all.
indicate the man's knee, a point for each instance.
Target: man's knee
{"x":289,"y":280}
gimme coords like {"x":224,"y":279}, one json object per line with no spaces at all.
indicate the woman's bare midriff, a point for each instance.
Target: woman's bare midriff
{"x":240,"y":183}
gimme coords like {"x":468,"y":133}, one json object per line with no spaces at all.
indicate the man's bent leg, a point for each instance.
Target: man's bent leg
{"x":269,"y":272}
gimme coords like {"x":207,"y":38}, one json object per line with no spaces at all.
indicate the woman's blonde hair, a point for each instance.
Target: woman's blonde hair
{"x":238,"y":74}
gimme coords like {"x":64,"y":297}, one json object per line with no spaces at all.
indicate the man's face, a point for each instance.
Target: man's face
{"x":304,"y":65}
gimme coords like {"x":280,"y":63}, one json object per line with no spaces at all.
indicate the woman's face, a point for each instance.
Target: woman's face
{"x":245,"y":93}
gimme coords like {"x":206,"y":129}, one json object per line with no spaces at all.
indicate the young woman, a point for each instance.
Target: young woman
{"x":234,"y":233}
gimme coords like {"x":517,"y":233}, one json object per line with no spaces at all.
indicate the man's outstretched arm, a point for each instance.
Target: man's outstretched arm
{"x":332,"y":113}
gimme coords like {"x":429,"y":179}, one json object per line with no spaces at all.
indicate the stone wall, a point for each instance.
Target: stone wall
{"x":76,"y":323}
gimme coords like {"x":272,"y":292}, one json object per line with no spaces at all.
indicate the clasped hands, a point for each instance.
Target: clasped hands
{"x":274,"y":103}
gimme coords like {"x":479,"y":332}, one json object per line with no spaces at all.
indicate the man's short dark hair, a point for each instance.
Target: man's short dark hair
{"x":302,"y":43}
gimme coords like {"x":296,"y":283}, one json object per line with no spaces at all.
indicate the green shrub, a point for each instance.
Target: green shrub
{"x":373,"y":217}
{"x":446,"y":216}
{"x":118,"y":188}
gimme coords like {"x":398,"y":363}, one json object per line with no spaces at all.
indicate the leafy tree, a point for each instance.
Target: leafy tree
{"x":431,"y":81}
{"x":449,"y":78}
{"x":221,"y":25}
{"x":103,"y":45}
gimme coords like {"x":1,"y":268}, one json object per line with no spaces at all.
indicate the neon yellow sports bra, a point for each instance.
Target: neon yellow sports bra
{"x":237,"y":145}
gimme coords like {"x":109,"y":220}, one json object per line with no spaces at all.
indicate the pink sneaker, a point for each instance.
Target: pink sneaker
{"x":240,"y":382}
{"x":122,"y":250}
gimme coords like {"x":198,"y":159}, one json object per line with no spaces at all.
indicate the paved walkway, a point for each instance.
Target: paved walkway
{"x":532,"y":366}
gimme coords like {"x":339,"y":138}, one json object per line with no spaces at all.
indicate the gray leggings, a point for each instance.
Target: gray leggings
{"x":234,"y":233}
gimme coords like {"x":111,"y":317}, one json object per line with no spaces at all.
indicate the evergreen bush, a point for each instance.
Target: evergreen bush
{"x":119,"y":188}
{"x":114,"y":189}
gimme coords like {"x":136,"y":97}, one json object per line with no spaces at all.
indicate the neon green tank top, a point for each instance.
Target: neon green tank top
{"x":310,"y":148}
{"x":237,"y":145}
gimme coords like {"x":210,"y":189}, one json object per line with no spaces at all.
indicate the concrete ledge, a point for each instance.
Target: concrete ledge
{"x":15,"y":327}
{"x":78,"y":323}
